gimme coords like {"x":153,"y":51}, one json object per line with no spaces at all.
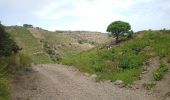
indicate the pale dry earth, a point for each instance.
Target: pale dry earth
{"x":59,"y":82}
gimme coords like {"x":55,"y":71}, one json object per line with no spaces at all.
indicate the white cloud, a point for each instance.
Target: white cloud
{"x":92,"y":15}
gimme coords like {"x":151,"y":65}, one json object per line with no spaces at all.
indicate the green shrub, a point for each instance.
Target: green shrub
{"x":11,"y":62}
{"x":124,"y":63}
{"x":7,"y":45}
{"x":159,"y":73}
{"x":9,"y":66}
{"x":93,"y":43}
{"x":136,"y":48}
{"x":80,"y":41}
{"x":163,"y":67}
{"x":149,"y":86}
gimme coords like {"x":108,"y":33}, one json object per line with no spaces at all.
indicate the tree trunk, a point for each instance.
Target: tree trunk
{"x":117,"y":38}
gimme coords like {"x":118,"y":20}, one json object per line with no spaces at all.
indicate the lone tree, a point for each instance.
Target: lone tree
{"x":119,"y":28}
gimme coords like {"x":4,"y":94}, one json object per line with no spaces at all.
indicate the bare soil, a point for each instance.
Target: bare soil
{"x":162,"y":88}
{"x":59,"y":82}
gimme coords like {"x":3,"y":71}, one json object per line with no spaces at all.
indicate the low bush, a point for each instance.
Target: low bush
{"x":149,"y":86}
{"x":159,"y":73}
{"x":7,"y":45}
{"x":80,"y":41}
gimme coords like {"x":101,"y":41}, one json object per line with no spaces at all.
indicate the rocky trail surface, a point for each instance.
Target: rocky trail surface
{"x":59,"y":82}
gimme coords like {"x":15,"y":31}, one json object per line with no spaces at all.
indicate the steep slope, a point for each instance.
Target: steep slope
{"x":29,"y":44}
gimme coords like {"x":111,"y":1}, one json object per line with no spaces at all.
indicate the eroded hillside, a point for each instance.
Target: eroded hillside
{"x":46,"y":47}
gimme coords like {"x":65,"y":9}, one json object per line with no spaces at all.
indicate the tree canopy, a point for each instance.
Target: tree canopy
{"x":28,"y":25}
{"x":118,"y":28}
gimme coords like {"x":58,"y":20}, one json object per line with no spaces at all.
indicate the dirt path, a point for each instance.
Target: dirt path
{"x":59,"y":82}
{"x":162,"y":88}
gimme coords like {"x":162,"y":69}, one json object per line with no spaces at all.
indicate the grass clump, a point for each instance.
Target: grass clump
{"x":4,"y":89}
{"x":159,"y":73}
{"x":149,"y":86}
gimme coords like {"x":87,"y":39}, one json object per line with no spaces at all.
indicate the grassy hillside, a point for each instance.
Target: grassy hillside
{"x":11,"y":62}
{"x":123,"y":61}
{"x":45,"y":47}
{"x":29,"y":44}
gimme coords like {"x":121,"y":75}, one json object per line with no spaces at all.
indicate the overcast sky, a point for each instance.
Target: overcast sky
{"x":91,"y":15}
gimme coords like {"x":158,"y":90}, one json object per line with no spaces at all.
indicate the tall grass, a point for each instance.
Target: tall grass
{"x":4,"y":89}
{"x":9,"y":67}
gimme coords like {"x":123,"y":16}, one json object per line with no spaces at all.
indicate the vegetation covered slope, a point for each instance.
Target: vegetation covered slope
{"x":29,"y":44}
{"x":11,"y":62}
{"x":66,"y":43}
{"x":124,"y":61}
{"x":47,"y":47}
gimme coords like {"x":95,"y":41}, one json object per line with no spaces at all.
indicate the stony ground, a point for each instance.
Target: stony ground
{"x":59,"y":82}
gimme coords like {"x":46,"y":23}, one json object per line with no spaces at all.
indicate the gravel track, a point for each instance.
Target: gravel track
{"x":59,"y":82}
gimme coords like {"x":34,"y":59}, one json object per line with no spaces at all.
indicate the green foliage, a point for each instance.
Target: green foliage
{"x":124,"y":61}
{"x":9,"y":67}
{"x":10,"y":62}
{"x":130,"y":34}
{"x":14,"y":63}
{"x":4,"y":89}
{"x":7,"y":45}
{"x":159,"y":73}
{"x":165,"y":31}
{"x":118,"y":28}
{"x":80,"y":41}
{"x":93,"y":43}
{"x":136,"y":48}
{"x":127,"y":76}
{"x":149,"y":86}
{"x":27,"y":25}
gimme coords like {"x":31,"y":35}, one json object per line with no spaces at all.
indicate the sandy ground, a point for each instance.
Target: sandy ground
{"x":59,"y":82}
